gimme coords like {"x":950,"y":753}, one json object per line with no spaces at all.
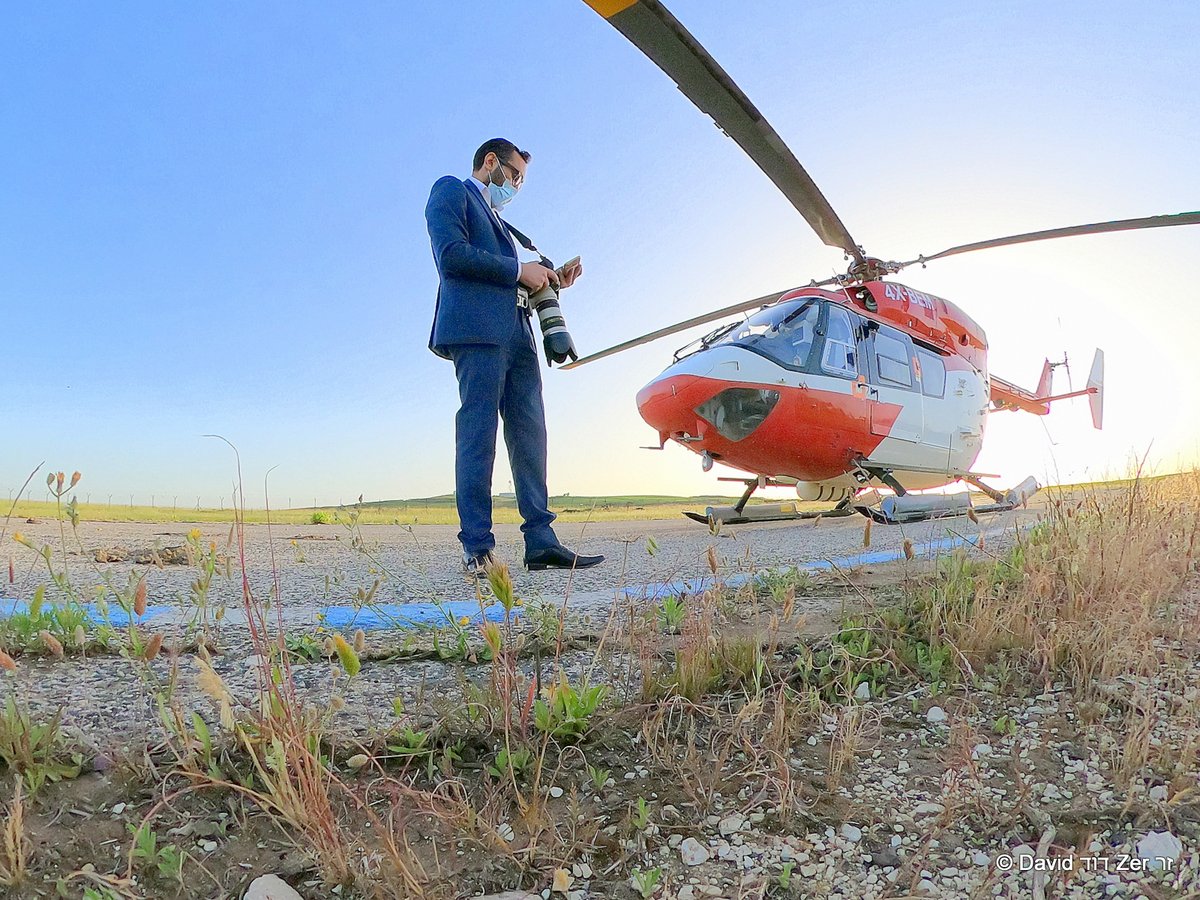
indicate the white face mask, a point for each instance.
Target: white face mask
{"x":501,"y":193}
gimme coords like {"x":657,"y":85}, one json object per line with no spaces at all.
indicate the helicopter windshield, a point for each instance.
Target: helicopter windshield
{"x":784,"y":332}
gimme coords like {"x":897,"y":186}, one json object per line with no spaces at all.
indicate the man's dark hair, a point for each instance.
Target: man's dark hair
{"x":503,"y":149}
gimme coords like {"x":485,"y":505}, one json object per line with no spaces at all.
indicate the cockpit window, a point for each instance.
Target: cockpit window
{"x":783,"y":332}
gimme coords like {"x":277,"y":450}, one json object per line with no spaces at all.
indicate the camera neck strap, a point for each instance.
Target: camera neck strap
{"x":525,"y":242}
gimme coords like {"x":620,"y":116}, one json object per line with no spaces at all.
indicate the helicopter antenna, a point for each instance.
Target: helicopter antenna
{"x":1066,"y":364}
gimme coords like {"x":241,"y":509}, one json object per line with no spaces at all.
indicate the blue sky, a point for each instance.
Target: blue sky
{"x":212,"y":220}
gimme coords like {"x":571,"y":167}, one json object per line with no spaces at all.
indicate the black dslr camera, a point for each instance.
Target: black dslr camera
{"x":556,"y":340}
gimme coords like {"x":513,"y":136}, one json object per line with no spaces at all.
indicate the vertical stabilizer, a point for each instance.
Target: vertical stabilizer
{"x":1096,"y":380}
{"x":1044,"y":383}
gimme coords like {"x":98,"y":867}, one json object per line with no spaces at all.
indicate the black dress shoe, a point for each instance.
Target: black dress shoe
{"x":476,"y":565}
{"x":559,"y":558}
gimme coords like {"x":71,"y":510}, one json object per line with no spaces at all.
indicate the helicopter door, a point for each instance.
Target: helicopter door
{"x":939,"y":416}
{"x":898,"y":411}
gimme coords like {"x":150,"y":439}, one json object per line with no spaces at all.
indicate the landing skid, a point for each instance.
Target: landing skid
{"x":774,"y":512}
{"x":900,"y":510}
{"x":897,"y":510}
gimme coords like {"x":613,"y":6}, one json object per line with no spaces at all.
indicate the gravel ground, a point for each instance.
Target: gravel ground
{"x":104,"y":702}
{"x":941,"y":803}
{"x":318,"y":566}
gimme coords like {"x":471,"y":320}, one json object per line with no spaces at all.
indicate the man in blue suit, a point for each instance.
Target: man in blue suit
{"x":478,"y":324}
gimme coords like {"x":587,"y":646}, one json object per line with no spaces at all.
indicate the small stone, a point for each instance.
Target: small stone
{"x":675,"y":840}
{"x":808,"y":870}
{"x":556,"y":792}
{"x":812,"y":741}
{"x":505,"y":831}
{"x":582,"y":870}
{"x":731,"y":824}
{"x":562,"y":881}
{"x":1159,"y":793}
{"x":270,"y":887}
{"x":926,"y":887}
{"x":980,"y":858}
{"x":852,"y":833}
{"x":886,"y":856}
{"x":1157,"y":848}
{"x":936,"y":714}
{"x":981,"y":750}
{"x":692,"y":852}
{"x":928,"y":809}
{"x":863,"y":691}
{"x":118,"y":808}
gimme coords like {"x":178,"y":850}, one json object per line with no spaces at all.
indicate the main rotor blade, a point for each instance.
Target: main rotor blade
{"x":652,"y":29}
{"x":1188,"y":218}
{"x":681,"y":326}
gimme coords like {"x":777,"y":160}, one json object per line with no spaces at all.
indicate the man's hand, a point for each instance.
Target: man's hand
{"x":567,"y":276}
{"x":535,"y":276}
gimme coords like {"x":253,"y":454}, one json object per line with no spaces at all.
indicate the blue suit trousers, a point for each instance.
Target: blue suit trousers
{"x":497,"y":382}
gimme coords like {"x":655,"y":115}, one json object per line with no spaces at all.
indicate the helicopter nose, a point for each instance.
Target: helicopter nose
{"x":700,"y":411}
{"x":668,"y":404}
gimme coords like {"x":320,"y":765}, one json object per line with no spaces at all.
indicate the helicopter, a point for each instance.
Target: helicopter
{"x":844,"y":386}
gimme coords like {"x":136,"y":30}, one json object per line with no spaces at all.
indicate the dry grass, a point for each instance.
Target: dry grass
{"x":1087,"y":592}
{"x":14,"y":843}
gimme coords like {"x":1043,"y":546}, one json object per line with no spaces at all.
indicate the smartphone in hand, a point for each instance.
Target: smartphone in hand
{"x":568,"y":266}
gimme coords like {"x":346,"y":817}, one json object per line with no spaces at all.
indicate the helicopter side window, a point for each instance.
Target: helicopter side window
{"x":840,"y":356}
{"x":891,"y":358}
{"x":933,"y":373}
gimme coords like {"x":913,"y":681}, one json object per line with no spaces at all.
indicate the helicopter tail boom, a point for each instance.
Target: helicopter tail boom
{"x":1006,"y":395}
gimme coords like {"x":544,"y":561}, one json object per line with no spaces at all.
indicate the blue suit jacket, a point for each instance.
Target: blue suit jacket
{"x":476,"y":262}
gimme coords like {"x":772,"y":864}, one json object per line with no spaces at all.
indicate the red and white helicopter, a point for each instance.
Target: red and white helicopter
{"x":849,"y":383}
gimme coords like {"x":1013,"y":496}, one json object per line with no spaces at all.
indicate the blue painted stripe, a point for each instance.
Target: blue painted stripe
{"x":410,"y":615}
{"x":373,"y":617}
{"x":697,"y":585}
{"x":116,"y":616}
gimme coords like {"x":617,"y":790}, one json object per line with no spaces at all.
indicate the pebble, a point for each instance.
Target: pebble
{"x":505,"y":831}
{"x":1159,"y":793}
{"x":852,"y":833}
{"x":1158,"y":846}
{"x":863,"y":691}
{"x":556,"y":792}
{"x":936,"y":714}
{"x":731,"y":824}
{"x":692,"y":852}
{"x":270,"y":887}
